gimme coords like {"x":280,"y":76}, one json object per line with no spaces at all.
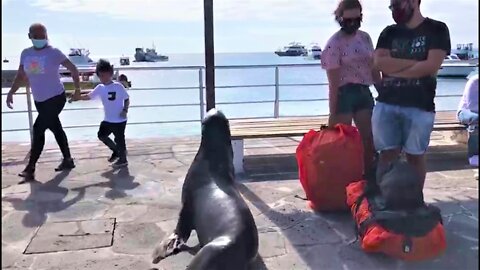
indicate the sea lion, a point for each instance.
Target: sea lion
{"x":213,"y":207}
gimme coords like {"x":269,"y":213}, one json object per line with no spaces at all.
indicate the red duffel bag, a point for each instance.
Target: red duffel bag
{"x":329,"y":160}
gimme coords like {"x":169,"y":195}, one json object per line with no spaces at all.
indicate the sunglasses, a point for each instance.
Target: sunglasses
{"x":397,"y":5}
{"x":351,"y":20}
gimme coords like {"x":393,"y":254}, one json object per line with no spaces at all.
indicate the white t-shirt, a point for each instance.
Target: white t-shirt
{"x":469,"y":99}
{"x":113,"y":98}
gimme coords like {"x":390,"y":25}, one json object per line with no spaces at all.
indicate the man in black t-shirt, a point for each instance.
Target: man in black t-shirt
{"x":409,"y":55}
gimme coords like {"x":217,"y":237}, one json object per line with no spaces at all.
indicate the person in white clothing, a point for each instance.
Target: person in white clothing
{"x":124,"y":80}
{"x":115,"y":102}
{"x":468,"y":108}
{"x":468,"y":115}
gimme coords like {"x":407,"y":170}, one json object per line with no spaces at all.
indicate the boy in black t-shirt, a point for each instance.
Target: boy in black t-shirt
{"x":409,"y":55}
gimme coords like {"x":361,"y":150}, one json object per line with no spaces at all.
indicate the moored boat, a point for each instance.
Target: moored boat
{"x":293,"y":49}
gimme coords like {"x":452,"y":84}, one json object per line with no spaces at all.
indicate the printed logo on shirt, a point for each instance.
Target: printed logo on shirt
{"x":35,"y":64}
{"x":112,"y":95}
{"x":400,"y":48}
{"x":415,"y":48}
{"x":418,"y":45}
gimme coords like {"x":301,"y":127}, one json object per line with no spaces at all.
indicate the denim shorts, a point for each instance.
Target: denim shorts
{"x":406,"y":128}
{"x":468,"y":118}
{"x":354,"y":97}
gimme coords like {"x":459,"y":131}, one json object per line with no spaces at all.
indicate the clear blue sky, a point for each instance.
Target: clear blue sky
{"x":115,"y":27}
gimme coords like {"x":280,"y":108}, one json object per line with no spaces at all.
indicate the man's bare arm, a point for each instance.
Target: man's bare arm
{"x":80,"y":97}
{"x":20,"y":79}
{"x":428,"y":67}
{"x":85,"y":97}
{"x":75,"y":75}
{"x":383,"y":62}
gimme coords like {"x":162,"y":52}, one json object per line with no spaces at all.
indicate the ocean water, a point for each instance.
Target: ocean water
{"x":293,"y":97}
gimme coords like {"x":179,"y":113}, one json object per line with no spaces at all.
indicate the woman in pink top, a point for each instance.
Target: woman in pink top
{"x":348,"y":60}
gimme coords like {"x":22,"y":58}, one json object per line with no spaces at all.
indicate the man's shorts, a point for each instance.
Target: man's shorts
{"x":354,"y":97}
{"x":406,"y":128}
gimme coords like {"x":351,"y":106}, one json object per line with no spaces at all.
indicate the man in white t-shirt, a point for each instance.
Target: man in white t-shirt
{"x":115,"y":102}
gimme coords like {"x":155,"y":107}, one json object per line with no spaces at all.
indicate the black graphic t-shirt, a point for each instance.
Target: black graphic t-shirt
{"x":412,"y":44}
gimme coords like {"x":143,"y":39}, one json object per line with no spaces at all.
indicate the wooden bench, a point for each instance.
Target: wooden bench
{"x":299,"y":126}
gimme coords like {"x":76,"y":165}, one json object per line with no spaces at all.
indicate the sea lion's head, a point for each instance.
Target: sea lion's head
{"x":216,"y":132}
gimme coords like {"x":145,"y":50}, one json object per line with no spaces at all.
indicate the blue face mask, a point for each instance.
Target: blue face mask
{"x":39,"y":43}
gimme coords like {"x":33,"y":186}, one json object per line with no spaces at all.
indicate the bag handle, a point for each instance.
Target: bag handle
{"x":339,"y":127}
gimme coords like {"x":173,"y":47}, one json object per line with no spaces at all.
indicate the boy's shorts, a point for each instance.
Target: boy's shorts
{"x":401,"y":127}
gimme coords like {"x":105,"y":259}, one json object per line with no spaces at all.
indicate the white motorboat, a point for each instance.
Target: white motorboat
{"x":81,"y":59}
{"x":474,"y":72}
{"x":293,"y":49}
{"x":451,"y":58}
{"x":315,"y":51}
{"x":149,"y":55}
{"x":453,"y":66}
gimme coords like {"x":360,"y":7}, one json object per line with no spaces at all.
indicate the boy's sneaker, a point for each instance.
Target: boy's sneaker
{"x":67,"y":164}
{"x":120,"y":163}
{"x":113,"y":157}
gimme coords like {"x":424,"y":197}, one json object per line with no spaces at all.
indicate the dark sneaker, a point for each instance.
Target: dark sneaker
{"x":67,"y":164}
{"x":120,"y":163}
{"x":113,"y":157}
{"x":28,"y":173}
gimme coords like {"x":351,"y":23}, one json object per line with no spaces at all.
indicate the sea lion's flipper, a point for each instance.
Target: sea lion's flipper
{"x":167,"y":247}
{"x":173,"y":244}
{"x":184,"y":225}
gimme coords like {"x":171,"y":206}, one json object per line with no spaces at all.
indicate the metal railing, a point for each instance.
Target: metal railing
{"x":201,"y":92}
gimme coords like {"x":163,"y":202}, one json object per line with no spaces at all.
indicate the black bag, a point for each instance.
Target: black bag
{"x":395,"y":200}
{"x":400,"y":186}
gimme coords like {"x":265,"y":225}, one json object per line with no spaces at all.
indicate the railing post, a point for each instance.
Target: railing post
{"x":30,"y":113}
{"x":276,"y":109}
{"x":209,"y":53}
{"x":200,"y":93}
